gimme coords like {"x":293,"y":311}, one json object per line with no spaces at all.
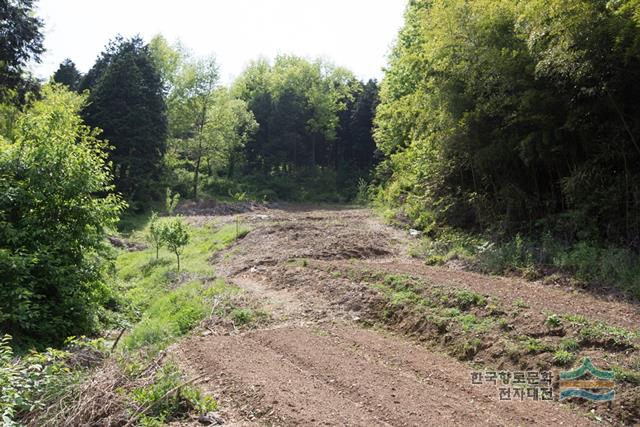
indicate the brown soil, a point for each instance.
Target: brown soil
{"x":319,"y":361}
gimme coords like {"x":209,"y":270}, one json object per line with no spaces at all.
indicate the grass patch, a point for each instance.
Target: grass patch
{"x":606,"y":335}
{"x":576,"y":319}
{"x":399,"y":282}
{"x":627,"y":375}
{"x":553,"y":321}
{"x":519,"y":303}
{"x":466,"y":299}
{"x":404,"y":297}
{"x":164,"y":304}
{"x":243,"y":316}
{"x":173,"y":314}
{"x":143,"y":277}
{"x":569,"y":344}
{"x":534,"y":345}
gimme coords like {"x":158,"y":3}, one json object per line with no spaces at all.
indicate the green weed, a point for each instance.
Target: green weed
{"x":626,"y":375}
{"x":534,"y":345}
{"x":242,"y":316}
{"x":563,"y":357}
{"x":569,"y":344}
{"x":519,"y":302}
{"x":167,"y":398}
{"x":466,"y":299}
{"x":553,"y":321}
{"x":600,"y":332}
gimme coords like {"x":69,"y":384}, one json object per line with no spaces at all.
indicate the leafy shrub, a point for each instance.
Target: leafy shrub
{"x":29,"y":382}
{"x":171,"y":201}
{"x":600,"y":332}
{"x":553,"y":321}
{"x":465,"y":299}
{"x":569,"y":344}
{"x":242,"y":316}
{"x":364,"y":194}
{"x":56,"y":206}
{"x":448,"y":245}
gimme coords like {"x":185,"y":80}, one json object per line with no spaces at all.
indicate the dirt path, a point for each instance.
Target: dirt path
{"x":316,"y":363}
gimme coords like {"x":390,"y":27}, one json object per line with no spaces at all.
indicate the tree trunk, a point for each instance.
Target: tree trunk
{"x":196,"y":177}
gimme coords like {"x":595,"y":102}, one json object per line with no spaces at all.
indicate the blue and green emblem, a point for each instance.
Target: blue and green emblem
{"x":597,"y":386}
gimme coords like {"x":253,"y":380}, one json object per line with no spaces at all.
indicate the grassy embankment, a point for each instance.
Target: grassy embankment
{"x":155,"y":305}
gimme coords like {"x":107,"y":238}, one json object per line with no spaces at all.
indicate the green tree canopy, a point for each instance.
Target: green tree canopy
{"x":515,"y":115}
{"x":127,"y":102}
{"x":20,"y":42}
{"x":207,"y":126}
{"x":296,"y":103}
{"x":68,"y":75}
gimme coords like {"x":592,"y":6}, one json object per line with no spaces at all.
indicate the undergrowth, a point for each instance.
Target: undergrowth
{"x":586,"y":263}
{"x":157,"y":305}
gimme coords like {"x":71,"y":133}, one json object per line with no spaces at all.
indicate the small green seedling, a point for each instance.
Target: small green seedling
{"x":155,"y":233}
{"x":176,"y":236}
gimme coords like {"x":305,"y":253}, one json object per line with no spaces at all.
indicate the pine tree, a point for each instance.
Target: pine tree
{"x":68,"y":75}
{"x":127,"y":102}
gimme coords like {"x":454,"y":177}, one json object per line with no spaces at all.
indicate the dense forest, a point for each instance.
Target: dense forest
{"x":518,"y":116}
{"x":296,"y":129}
{"x":504,"y":133}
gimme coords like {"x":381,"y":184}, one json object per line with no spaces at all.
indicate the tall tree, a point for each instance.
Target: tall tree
{"x":190,"y":103}
{"x":253,"y":86}
{"x":229,"y":126}
{"x":127,"y":102}
{"x":20,"y":41}
{"x":208,"y":127}
{"x":56,"y":206}
{"x":516,"y":116}
{"x":68,"y":75}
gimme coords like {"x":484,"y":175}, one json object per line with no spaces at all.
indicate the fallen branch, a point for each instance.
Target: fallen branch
{"x":115,"y":343}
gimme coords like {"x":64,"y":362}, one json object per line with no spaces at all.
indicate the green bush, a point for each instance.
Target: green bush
{"x":242,"y":316}
{"x":563,"y":357}
{"x":30,"y":382}
{"x":56,"y":207}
